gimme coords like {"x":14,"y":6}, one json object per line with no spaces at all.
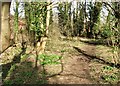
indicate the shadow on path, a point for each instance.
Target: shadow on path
{"x":16,"y":59}
{"x":94,"y":42}
{"x":99,"y":42}
{"x":91,"y":57}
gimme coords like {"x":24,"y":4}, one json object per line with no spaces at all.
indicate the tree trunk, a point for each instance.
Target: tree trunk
{"x":40,"y":46}
{"x":48,"y":18}
{"x":43,"y":40}
{"x":5,"y":26}
{"x":0,"y":27}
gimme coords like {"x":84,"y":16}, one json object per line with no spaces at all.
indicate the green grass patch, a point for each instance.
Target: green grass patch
{"x":49,"y":59}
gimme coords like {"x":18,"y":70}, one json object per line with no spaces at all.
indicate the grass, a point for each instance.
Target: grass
{"x":110,"y":74}
{"x":104,"y":74}
{"x":23,"y":73}
{"x":49,"y":59}
{"x":24,"y":57}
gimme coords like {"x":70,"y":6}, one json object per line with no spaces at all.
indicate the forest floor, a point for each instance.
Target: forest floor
{"x":84,"y":61}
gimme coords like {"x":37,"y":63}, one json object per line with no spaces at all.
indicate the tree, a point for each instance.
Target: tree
{"x":94,"y":12}
{"x":64,"y":17}
{"x":38,"y":24}
{"x":79,"y":18}
{"x":5,"y":26}
{"x":16,"y":21}
{"x":113,"y":31}
{"x":0,"y":27}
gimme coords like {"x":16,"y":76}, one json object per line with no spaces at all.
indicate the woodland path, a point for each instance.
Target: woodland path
{"x":76,"y":68}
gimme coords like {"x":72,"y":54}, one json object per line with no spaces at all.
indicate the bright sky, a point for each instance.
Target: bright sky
{"x":20,"y":9}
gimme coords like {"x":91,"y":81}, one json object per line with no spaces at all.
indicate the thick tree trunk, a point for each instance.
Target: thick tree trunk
{"x":0,"y":27}
{"x":43,"y":40}
{"x":5,"y":26}
{"x":40,"y":47}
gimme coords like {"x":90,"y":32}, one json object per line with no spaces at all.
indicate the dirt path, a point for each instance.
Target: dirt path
{"x":83,"y":64}
{"x":76,"y":68}
{"x":76,"y":71}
